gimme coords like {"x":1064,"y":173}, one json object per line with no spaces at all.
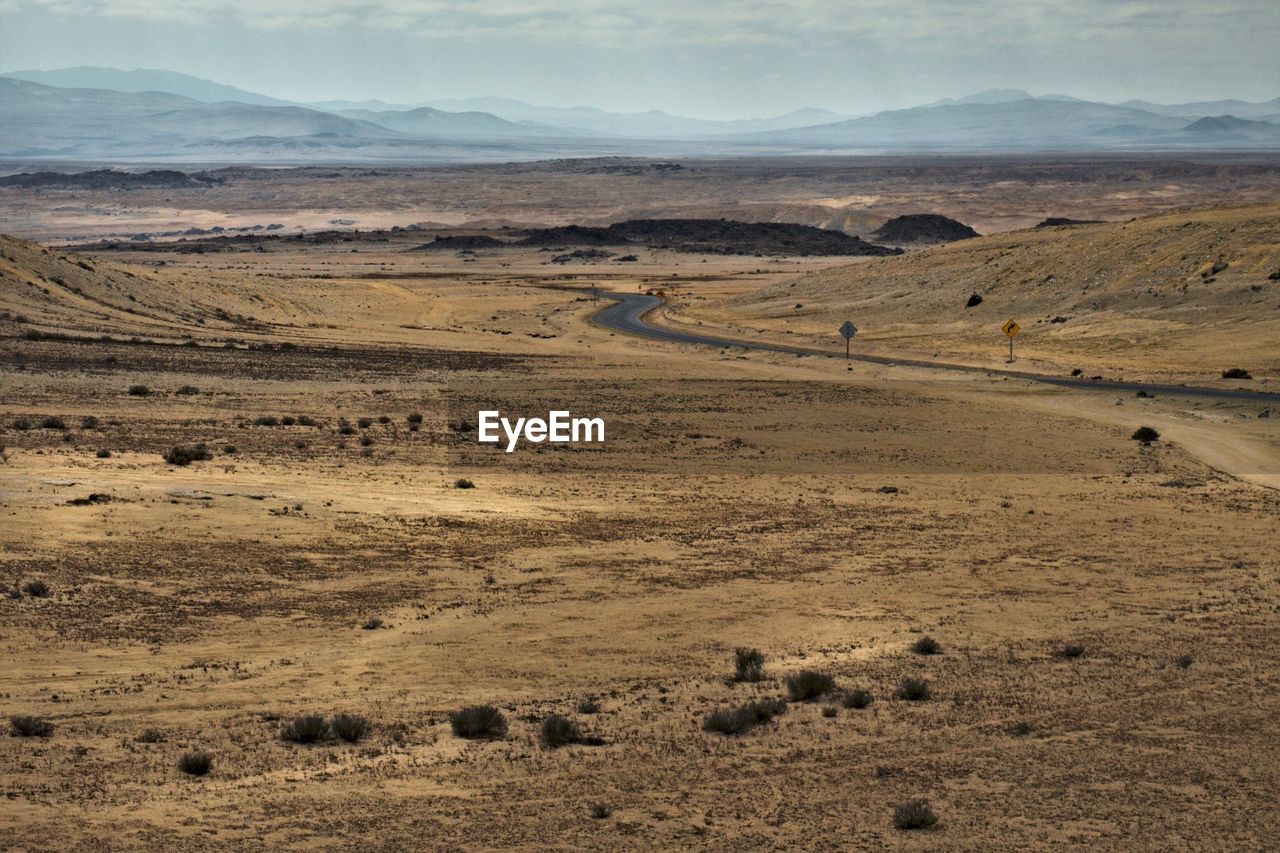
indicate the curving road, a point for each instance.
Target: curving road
{"x":628,"y":311}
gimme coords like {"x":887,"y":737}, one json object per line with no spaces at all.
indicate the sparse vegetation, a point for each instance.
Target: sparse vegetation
{"x":187,"y":390}
{"x":589,"y":705}
{"x":734,"y":721}
{"x":88,"y":422}
{"x":479,"y":722}
{"x":915,"y":814}
{"x":186,"y":454}
{"x":307,"y":729}
{"x":1146,"y":435}
{"x":52,"y":422}
{"x":600,"y":811}
{"x":266,"y":421}
{"x":463,"y":483}
{"x":913,"y":690}
{"x":414,"y":418}
{"x":139,"y":390}
{"x":350,"y":727}
{"x":926,"y":645}
{"x":1071,"y":650}
{"x":25,"y":725}
{"x":364,"y":423}
{"x":829,"y":711}
{"x":373,"y":623}
{"x":1020,"y":729}
{"x":559,"y":731}
{"x":748,"y":665}
{"x":1184,"y":661}
{"x":808,"y":684}
{"x":195,"y":763}
{"x":857,"y":698}
{"x":1236,"y":373}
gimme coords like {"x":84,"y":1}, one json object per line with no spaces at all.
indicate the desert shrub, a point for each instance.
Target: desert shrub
{"x":88,"y":422}
{"x":589,"y":705}
{"x":913,"y":690}
{"x":748,"y":665}
{"x":479,"y":722}
{"x":288,"y":420}
{"x":364,"y":423}
{"x":809,"y":684}
{"x":926,"y":645}
{"x":366,"y":441}
{"x":1184,"y":661}
{"x":22,"y":424}
{"x":150,"y":736}
{"x":52,"y":422}
{"x":307,"y":421}
{"x":915,"y":814}
{"x":1020,"y":729}
{"x":25,"y":725}
{"x":350,"y":727}
{"x":974,"y":300}
{"x":266,"y":420}
{"x":856,"y":698}
{"x":463,"y":483}
{"x":1071,"y":650}
{"x":830,"y":711}
{"x":373,"y":623}
{"x":308,"y":729}
{"x":187,"y":390}
{"x":1145,"y":434}
{"x":600,"y":811}
{"x":345,"y":428}
{"x":1236,"y":373}
{"x":384,"y":419}
{"x":195,"y":763}
{"x":36,"y":588}
{"x":559,"y":731}
{"x":186,"y":454}
{"x":229,"y":449}
{"x":734,"y":721}
{"x":103,"y":454}
{"x":139,"y":390}
{"x":414,"y":418}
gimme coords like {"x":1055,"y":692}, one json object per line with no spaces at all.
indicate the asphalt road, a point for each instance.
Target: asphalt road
{"x":627,"y":313}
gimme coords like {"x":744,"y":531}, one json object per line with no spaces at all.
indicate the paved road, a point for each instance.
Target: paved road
{"x":627,"y":315}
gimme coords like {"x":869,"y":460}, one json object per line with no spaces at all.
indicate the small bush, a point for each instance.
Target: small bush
{"x":600,"y":811}
{"x":1071,"y":651}
{"x":266,"y":420}
{"x":974,"y":300}
{"x":366,"y":441}
{"x":88,"y":422}
{"x":187,"y":390}
{"x":307,"y":421}
{"x":1146,"y":435}
{"x":22,"y":424}
{"x":36,"y":588}
{"x":373,"y":623}
{"x":364,"y":423}
{"x":103,"y":454}
{"x":229,"y":449}
{"x":913,"y":690}
{"x":25,"y":725}
{"x":748,"y":665}
{"x":308,"y":729}
{"x":734,"y":721}
{"x":479,"y":722}
{"x":926,"y":645}
{"x":345,"y":428}
{"x":463,"y":483}
{"x":384,"y":419}
{"x":186,"y":454}
{"x":830,"y":711}
{"x":414,"y":418}
{"x":915,"y":814}
{"x":139,"y":390}
{"x":196,"y":763}
{"x":350,"y":727}
{"x":857,"y":699}
{"x":150,"y":736}
{"x":52,"y":422}
{"x":1236,"y":373}
{"x":589,"y":705}
{"x":1184,"y":661}
{"x":559,"y":731}
{"x":809,"y":684}
{"x":288,"y":420}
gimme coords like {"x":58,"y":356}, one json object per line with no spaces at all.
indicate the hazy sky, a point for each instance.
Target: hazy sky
{"x":709,"y":58}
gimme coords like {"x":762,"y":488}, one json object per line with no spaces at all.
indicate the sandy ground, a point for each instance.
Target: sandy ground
{"x":826,"y":516}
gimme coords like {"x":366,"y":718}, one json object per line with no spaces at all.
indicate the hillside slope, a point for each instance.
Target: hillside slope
{"x":1186,"y":292}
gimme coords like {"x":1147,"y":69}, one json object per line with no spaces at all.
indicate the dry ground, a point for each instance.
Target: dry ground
{"x":829,"y":517}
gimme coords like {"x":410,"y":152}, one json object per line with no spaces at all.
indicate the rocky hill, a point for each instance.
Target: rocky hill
{"x":922,"y":229}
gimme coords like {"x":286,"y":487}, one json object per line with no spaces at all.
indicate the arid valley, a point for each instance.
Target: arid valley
{"x":241,"y":488}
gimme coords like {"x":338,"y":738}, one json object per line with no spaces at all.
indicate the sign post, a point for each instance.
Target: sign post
{"x":848,"y":330}
{"x":1010,"y":328}
{"x":595,"y":293}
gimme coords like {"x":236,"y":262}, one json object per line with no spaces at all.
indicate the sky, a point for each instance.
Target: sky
{"x":704,"y":58}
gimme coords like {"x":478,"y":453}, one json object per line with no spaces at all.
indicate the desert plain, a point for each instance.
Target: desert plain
{"x":1104,"y":613}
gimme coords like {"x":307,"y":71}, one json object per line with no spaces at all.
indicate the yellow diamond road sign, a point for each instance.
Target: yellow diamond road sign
{"x":1010,"y":328}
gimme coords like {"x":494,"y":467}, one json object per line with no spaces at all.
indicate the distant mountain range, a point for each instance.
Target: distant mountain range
{"x":90,"y":113}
